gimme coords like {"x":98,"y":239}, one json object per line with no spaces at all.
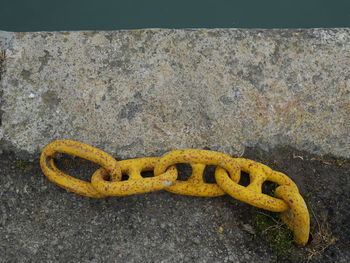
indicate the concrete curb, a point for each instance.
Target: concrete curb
{"x":144,"y":92}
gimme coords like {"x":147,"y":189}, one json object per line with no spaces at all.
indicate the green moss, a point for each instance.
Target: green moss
{"x":271,"y":227}
{"x":340,"y":162}
{"x":23,"y":165}
{"x":275,"y":232}
{"x":2,"y":61}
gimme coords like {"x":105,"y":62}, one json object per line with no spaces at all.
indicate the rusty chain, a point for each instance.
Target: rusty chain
{"x":107,"y":180}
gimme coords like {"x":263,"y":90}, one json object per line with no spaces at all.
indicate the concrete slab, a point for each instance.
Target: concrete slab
{"x":144,"y":92}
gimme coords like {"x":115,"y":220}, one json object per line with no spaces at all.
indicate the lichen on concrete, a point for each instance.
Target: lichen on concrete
{"x":144,"y":92}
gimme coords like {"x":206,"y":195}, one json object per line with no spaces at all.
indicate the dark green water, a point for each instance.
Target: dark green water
{"x":38,"y":15}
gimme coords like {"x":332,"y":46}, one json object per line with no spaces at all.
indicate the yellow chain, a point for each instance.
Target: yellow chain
{"x":106,"y":181}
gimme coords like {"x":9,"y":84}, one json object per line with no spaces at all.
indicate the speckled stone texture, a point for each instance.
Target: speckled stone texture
{"x":144,"y":92}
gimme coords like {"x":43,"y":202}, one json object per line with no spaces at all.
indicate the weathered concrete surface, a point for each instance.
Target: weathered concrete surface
{"x":144,"y":92}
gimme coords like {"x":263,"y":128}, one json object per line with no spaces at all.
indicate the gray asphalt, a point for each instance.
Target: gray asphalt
{"x":40,"y":222}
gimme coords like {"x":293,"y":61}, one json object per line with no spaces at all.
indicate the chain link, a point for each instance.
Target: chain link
{"x":107,"y":180}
